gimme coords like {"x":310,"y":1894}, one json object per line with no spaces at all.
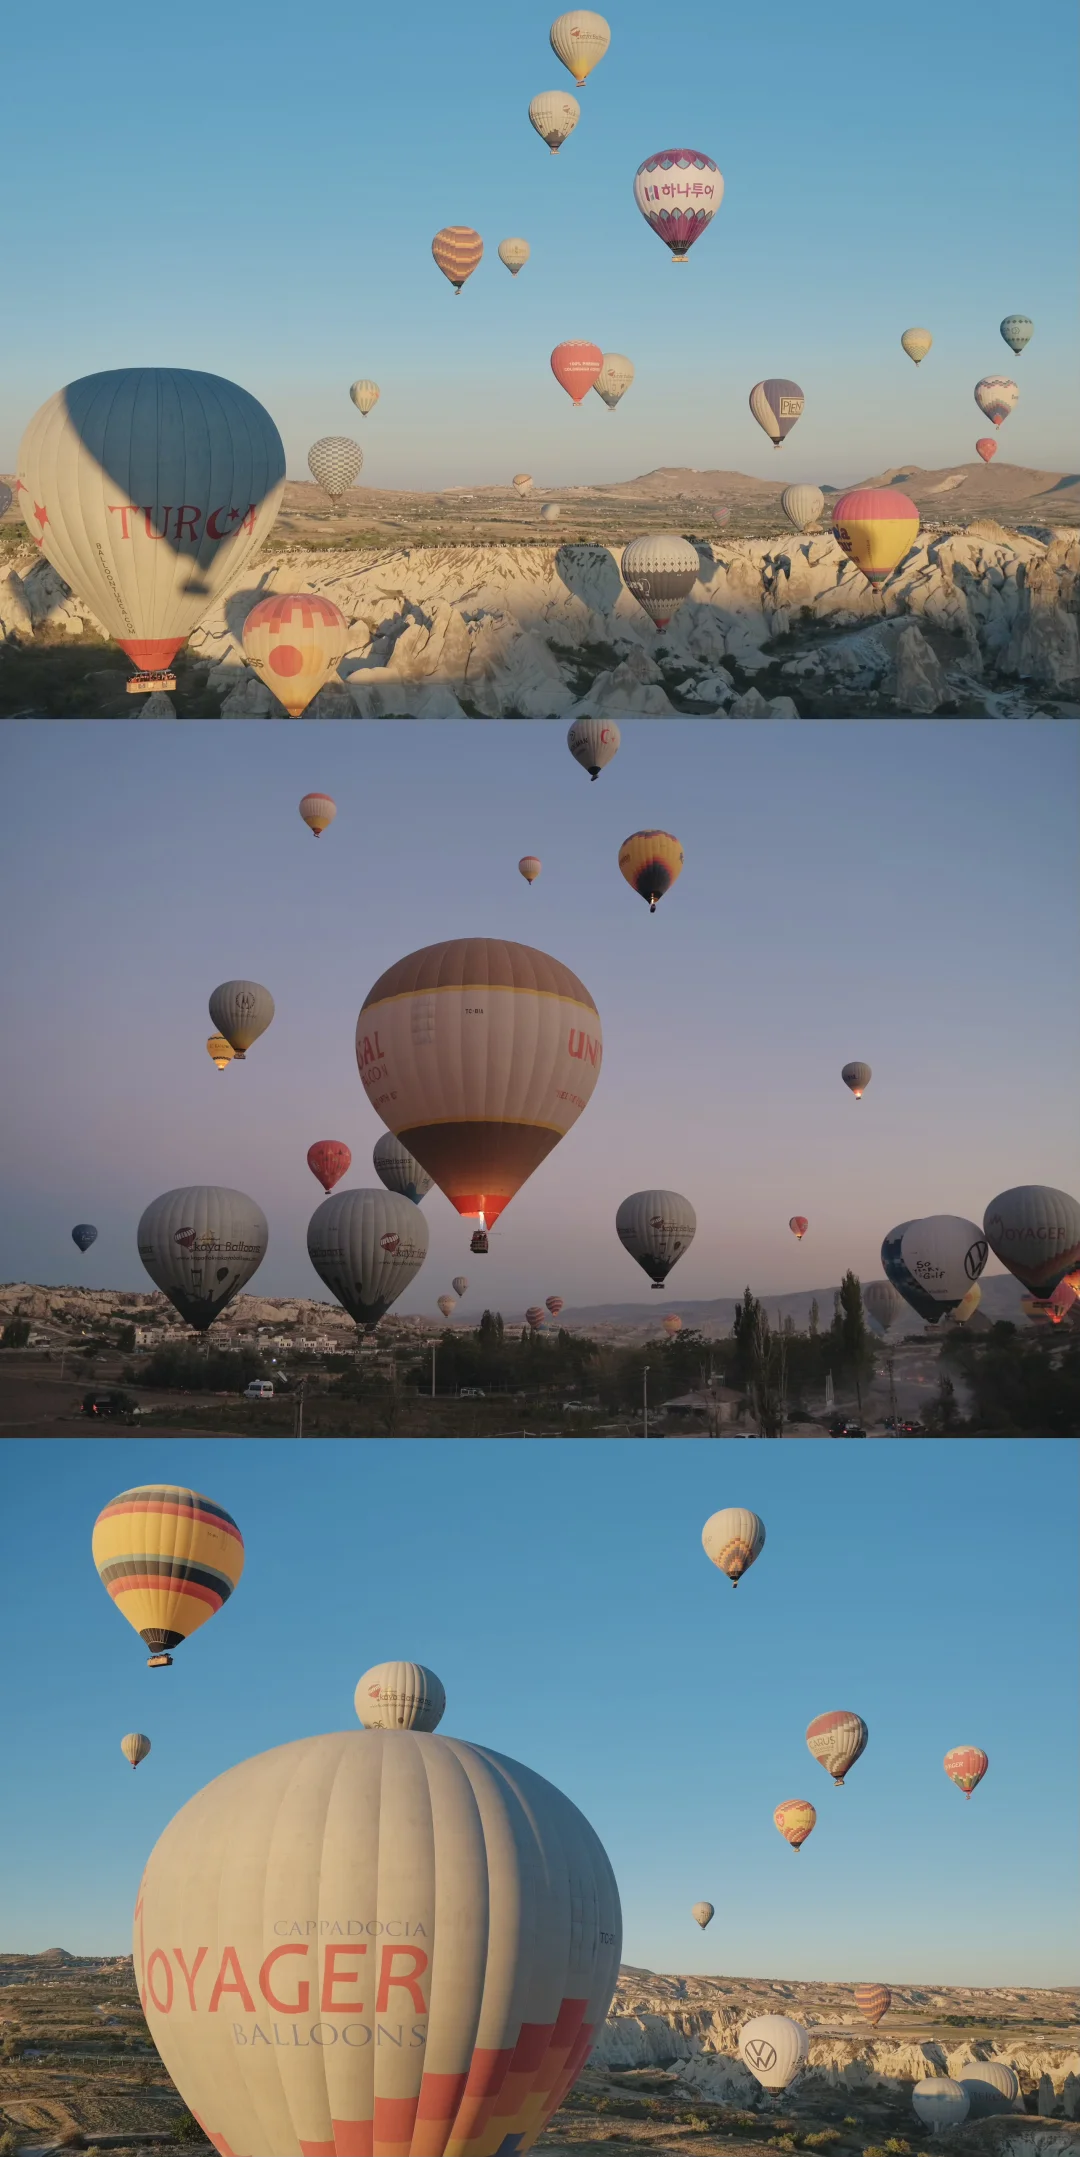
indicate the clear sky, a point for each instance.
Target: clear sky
{"x":904,"y":893}
{"x":561,"y":1593}
{"x":231,"y":189}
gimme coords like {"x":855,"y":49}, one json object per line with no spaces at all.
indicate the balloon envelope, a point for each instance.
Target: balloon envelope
{"x":1017,"y":331}
{"x":457,"y":250}
{"x":367,"y":1246}
{"x":798,"y":1225}
{"x":217,"y":1048}
{"x":837,"y":1740}
{"x":554,"y":114}
{"x":916,"y":344}
{"x":489,"y":1955}
{"x":200,"y":1245}
{"x":241,"y":1011}
{"x":446,"y":1304}
{"x":397,"y":1169}
{"x":522,"y":481}
{"x":656,"y":1227}
{"x":965,"y":1766}
{"x":554,"y":1304}
{"x":400,"y":1696}
{"x":135,"y":1747}
{"x":580,"y":38}
{"x":318,"y":811}
{"x":933,"y":1263}
{"x":84,"y":1234}
{"x":989,"y":2086}
{"x":661,"y":570}
{"x":733,"y":1538}
{"x":703,"y":1914}
{"x":334,"y":460}
{"x":614,"y":378}
{"x":873,"y":2001}
{"x":672,"y":1323}
{"x":364,"y":395}
{"x":294,"y":641}
{"x":875,"y":526}
{"x":796,"y":1819}
{"x":534,"y":1316}
{"x":857,"y":1077}
{"x":529,"y":868}
{"x":802,"y":506}
{"x":774,"y":2048}
{"x":651,"y":862}
{"x":1035,"y":1231}
{"x":997,"y":397}
{"x":987,"y":448}
{"x":883,"y":1303}
{"x":550,"y":512}
{"x":678,"y":193}
{"x":169,"y":1558}
{"x":776,"y":405}
{"x":575,"y":366}
{"x":328,"y":1160}
{"x":940,"y":2102}
{"x":514,"y":254}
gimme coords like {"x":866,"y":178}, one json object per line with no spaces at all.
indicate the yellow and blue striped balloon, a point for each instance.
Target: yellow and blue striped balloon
{"x":169,"y":1558}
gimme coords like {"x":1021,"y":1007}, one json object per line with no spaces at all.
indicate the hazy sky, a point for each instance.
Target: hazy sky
{"x":592,"y":1640}
{"x":901,"y":892}
{"x":223,"y":193}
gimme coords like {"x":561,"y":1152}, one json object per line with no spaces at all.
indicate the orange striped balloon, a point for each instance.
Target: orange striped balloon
{"x":875,"y":527}
{"x":965,"y":1766}
{"x":873,"y":2001}
{"x":795,"y":1819}
{"x":457,"y":250}
{"x":294,"y":641}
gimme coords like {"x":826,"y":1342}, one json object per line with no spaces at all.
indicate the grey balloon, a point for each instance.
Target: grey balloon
{"x":990,"y":2087}
{"x":396,"y":1168}
{"x":200,"y":1244}
{"x":367,"y":1246}
{"x":241,"y":1011}
{"x":940,"y":2102}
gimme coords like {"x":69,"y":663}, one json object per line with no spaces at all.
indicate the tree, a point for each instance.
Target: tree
{"x":815,"y":1319}
{"x":946,"y":1414}
{"x":850,"y":1340}
{"x":125,"y":1339}
{"x":16,"y":1333}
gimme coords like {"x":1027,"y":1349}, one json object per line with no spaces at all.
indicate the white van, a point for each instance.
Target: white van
{"x":260,"y":1389}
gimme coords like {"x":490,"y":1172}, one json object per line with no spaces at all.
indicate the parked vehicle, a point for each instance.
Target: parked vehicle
{"x":117,"y":1406}
{"x":259,"y":1389}
{"x":472,"y":1393}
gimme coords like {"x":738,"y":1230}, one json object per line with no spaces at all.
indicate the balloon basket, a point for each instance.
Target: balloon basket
{"x":144,"y":684}
{"x":478,"y":1243}
{"x":159,"y":1662}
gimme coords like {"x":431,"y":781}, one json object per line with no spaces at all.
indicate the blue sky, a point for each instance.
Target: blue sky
{"x":235,"y":191}
{"x":903,"y":893}
{"x":561,"y":1593}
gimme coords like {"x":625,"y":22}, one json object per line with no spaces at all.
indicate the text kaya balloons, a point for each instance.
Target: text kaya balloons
{"x":148,"y":488}
{"x":592,"y":743}
{"x":488,"y":1959}
{"x":480,"y":1055}
{"x":1035,"y":1231}
{"x":965,"y":1766}
{"x":294,"y":641}
{"x":776,"y":405}
{"x":774,"y":2048}
{"x":661,"y":570}
{"x":703,"y":1914}
{"x":872,"y":2001}
{"x":135,"y":1747}
{"x":651,"y":862}
{"x":798,"y":1225}
{"x":614,"y":378}
{"x":219,"y":1051}
{"x":857,"y":1078}
{"x":883,"y":1303}
{"x":364,"y":396}
{"x":939,"y":2102}
{"x":400,"y":1696}
{"x":932,"y":1263}
{"x":514,"y":254}
{"x":200,"y":1245}
{"x":334,"y":460}
{"x":84,"y":1234}
{"x":580,"y":39}
{"x":241,"y":1011}
{"x":554,"y":114}
{"x":987,"y":448}
{"x":678,"y":193}
{"x":575,"y":366}
{"x":916,"y":344}
{"x":989,"y":2086}
{"x":459,"y":1284}
{"x":875,"y":526}
{"x":395,"y":1167}
{"x":457,"y":250}
{"x":1017,"y":331}
{"x":367,"y":1246}
{"x":796,"y":1819}
{"x":996,"y":396}
{"x":529,"y":868}
{"x":656,"y":1227}
{"x":318,"y":810}
{"x":732,"y":1538}
{"x":802,"y":506}
{"x":169,"y":1558}
{"x":836,"y":1741}
{"x":446,"y":1304}
{"x":328,"y":1161}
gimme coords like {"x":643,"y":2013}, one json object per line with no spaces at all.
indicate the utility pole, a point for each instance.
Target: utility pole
{"x":891,"y":1368}
{"x":432,"y":1370}
{"x":298,"y":1418}
{"x":645,"y":1402}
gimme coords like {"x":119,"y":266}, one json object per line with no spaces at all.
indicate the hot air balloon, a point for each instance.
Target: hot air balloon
{"x":651,"y":862}
{"x":776,"y":405}
{"x":882,"y":1302}
{"x":802,"y":506}
{"x":550,"y":512}
{"x":916,"y":344}
{"x":84,"y":1234}
{"x":678,"y":193}
{"x":965,"y":1766}
{"x":482,"y":1079}
{"x":529,"y":868}
{"x":241,"y":1010}
{"x":575,"y":366}
{"x":200,"y":1245}
{"x":656,"y":1227}
{"x":672,"y":1324}
{"x":872,"y":2001}
{"x":218,"y":1049}
{"x":485,"y":2019}
{"x":534,"y":1317}
{"x":334,"y":460}
{"x":328,"y":1160}
{"x":367,"y":1246}
{"x":1035,"y":1231}
{"x":400,"y":1696}
{"x":933,"y":1263}
{"x":798,"y":1225}
{"x":614,"y":378}
{"x":6,"y":498}
{"x":987,"y":448}
{"x":523,"y":482}
{"x":554,"y":1304}
{"x":592,"y":743}
{"x":514,"y":254}
{"x":364,"y":395}
{"x":457,"y":250}
{"x":459,"y":1284}
{"x":148,"y":488}
{"x":554,"y":114}
{"x":996,"y":396}
{"x":939,"y":2102}
{"x":169,"y":1558}
{"x":135,"y":1747}
{"x":857,"y":1077}
{"x":733,"y":1538}
{"x":875,"y":526}
{"x":837,"y":1741}
{"x":446,"y":1304}
{"x":395,"y":1167}
{"x":1017,"y":331}
{"x":968,"y":1305}
{"x":1040,"y":1313}
{"x":294,"y":641}
{"x":703,"y":1914}
{"x":795,"y":1819}
{"x":579,"y":40}
{"x":774,"y":2049}
{"x":989,"y":2086}
{"x":661,"y":571}
{"x":318,"y":811}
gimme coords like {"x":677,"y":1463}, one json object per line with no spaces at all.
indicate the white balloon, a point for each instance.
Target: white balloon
{"x":335,"y":461}
{"x":200,"y":1245}
{"x":554,"y":114}
{"x":395,"y":1167}
{"x":593,"y":743}
{"x":400,"y":1696}
{"x":802,"y":506}
{"x":940,"y":2102}
{"x":656,"y":1227}
{"x":934,"y":1262}
{"x":364,"y":394}
{"x":367,"y":1246}
{"x":580,"y":39}
{"x":661,"y":570}
{"x":514,"y":254}
{"x":550,"y":512}
{"x":989,"y":2086}
{"x":774,"y":2048}
{"x":733,"y":1538}
{"x":880,"y":1298}
{"x":703,"y":1914}
{"x":614,"y":378}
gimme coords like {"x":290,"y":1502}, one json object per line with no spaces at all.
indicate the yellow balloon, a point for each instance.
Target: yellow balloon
{"x":169,"y":1558}
{"x":218,"y":1048}
{"x":916,"y":344}
{"x":651,"y":861}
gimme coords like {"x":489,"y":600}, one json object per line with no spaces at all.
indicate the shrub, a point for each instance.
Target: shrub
{"x":8,"y":2144}
{"x":823,"y":2140}
{"x":897,"y":2148}
{"x":187,"y":2130}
